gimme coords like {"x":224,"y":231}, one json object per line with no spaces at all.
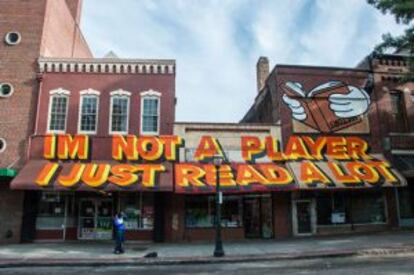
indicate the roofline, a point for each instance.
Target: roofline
{"x":107,"y":60}
{"x":225,"y":123}
{"x":319,"y":67}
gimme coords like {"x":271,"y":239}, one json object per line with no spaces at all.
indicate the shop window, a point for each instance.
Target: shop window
{"x":332,"y":208}
{"x":88,"y":117}
{"x":58,"y":110}
{"x":6,"y":89}
{"x":368,"y":207}
{"x":406,"y":201}
{"x":119,"y":113}
{"x":52,"y":209}
{"x":3,"y":145}
{"x":200,"y":211}
{"x":139,"y":211}
{"x":13,"y":38}
{"x":150,"y":112}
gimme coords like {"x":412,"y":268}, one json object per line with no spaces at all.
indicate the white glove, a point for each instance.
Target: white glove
{"x":355,"y":103}
{"x":298,"y":112}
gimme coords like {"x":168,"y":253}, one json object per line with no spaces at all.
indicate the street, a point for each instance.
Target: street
{"x":391,"y":264}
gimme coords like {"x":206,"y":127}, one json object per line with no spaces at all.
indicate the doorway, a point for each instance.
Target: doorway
{"x":257,"y":217}
{"x":304,"y":217}
{"x":95,"y":219}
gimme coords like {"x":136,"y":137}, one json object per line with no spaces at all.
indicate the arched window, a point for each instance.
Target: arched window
{"x":119,"y":112}
{"x":58,"y":110}
{"x":150,"y":112}
{"x":88,"y":112}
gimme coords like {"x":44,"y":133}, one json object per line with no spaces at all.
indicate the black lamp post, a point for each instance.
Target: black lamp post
{"x":218,"y":250}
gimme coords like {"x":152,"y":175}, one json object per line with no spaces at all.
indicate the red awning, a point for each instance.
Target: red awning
{"x":26,"y":179}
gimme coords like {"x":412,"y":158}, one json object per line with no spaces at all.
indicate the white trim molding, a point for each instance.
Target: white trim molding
{"x":90,"y":92}
{"x":84,"y":94}
{"x":59,"y":91}
{"x":120,"y":92}
{"x":4,"y":145}
{"x":150,"y":94}
{"x":106,"y":65}
{"x":9,"y":41}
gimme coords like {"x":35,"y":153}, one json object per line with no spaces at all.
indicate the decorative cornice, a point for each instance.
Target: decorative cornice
{"x":150,"y":93}
{"x":106,"y":65}
{"x":120,"y":92}
{"x":90,"y":92}
{"x":59,"y":91}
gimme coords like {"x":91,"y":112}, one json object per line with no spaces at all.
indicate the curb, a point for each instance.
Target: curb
{"x":131,"y":261}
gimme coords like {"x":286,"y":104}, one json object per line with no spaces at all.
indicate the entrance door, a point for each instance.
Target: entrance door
{"x":95,"y":219}
{"x":257,"y":217}
{"x":251,"y":217}
{"x":303,"y":217}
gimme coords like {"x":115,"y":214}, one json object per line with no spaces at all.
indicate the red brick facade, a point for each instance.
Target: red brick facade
{"x":47,"y":28}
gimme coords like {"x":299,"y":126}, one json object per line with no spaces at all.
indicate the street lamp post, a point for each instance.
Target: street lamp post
{"x":218,"y":250}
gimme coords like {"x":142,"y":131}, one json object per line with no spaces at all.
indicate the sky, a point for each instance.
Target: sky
{"x":216,"y":43}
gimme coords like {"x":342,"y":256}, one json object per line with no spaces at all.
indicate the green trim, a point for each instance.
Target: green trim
{"x":7,"y":172}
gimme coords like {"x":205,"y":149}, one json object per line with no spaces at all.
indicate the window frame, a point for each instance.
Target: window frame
{"x":119,"y":94}
{"x":402,"y":111}
{"x":84,"y":94}
{"x":60,"y":92}
{"x":150,"y":94}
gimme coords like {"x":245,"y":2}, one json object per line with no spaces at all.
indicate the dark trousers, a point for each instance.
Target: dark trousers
{"x":119,"y":241}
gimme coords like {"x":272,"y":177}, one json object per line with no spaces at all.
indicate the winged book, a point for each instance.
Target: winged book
{"x":328,"y":107}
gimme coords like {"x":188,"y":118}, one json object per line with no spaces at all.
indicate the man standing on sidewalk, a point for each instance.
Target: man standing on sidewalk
{"x":119,"y":233}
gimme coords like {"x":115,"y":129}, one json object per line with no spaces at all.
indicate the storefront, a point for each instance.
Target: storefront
{"x":88,"y":216}
{"x":77,"y":199}
{"x":339,"y":211}
{"x":248,"y":216}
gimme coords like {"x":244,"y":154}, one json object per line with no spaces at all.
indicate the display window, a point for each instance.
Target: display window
{"x":335,"y":208}
{"x":52,"y":209}
{"x":138,"y":209}
{"x":200,"y":211}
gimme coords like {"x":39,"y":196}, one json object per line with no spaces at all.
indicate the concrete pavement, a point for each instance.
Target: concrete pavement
{"x":100,"y":253}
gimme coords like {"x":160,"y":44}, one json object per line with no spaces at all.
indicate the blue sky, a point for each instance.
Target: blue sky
{"x":216,"y":43}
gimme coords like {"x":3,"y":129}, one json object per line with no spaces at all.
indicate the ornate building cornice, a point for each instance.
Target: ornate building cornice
{"x":106,"y":65}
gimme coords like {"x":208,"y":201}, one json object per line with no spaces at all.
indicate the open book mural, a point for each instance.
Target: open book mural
{"x":329,"y":107}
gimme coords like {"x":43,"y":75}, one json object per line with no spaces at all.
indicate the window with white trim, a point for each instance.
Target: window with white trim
{"x":88,"y":119}
{"x":119,"y":112}
{"x":58,"y":110}
{"x":150,"y":112}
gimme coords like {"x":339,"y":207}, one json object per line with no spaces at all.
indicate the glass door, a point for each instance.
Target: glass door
{"x":258,"y":217}
{"x":304,"y":217}
{"x":266,"y":217}
{"x":95,"y":219}
{"x":104,"y":219}
{"x":87,"y":211}
{"x":251,"y":217}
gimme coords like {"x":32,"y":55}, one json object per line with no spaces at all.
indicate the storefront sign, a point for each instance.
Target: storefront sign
{"x":305,"y":162}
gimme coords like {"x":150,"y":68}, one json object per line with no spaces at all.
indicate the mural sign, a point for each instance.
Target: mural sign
{"x":327,"y":108}
{"x":305,"y":162}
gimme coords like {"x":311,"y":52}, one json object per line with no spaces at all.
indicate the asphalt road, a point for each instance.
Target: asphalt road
{"x":397,"y":265}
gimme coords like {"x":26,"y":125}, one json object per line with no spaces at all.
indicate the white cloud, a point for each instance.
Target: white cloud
{"x":217,"y":43}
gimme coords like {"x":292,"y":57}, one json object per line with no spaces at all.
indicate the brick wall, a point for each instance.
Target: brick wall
{"x":10,"y":213}
{"x":18,"y":66}
{"x":62,"y":36}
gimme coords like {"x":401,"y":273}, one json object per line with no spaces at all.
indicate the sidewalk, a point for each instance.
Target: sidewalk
{"x":100,"y":253}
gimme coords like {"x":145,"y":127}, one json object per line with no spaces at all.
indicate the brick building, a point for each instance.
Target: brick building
{"x":367,"y":102}
{"x":84,"y":134}
{"x":29,"y":29}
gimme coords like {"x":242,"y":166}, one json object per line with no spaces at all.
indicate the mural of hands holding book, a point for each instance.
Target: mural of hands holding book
{"x":329,"y":107}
